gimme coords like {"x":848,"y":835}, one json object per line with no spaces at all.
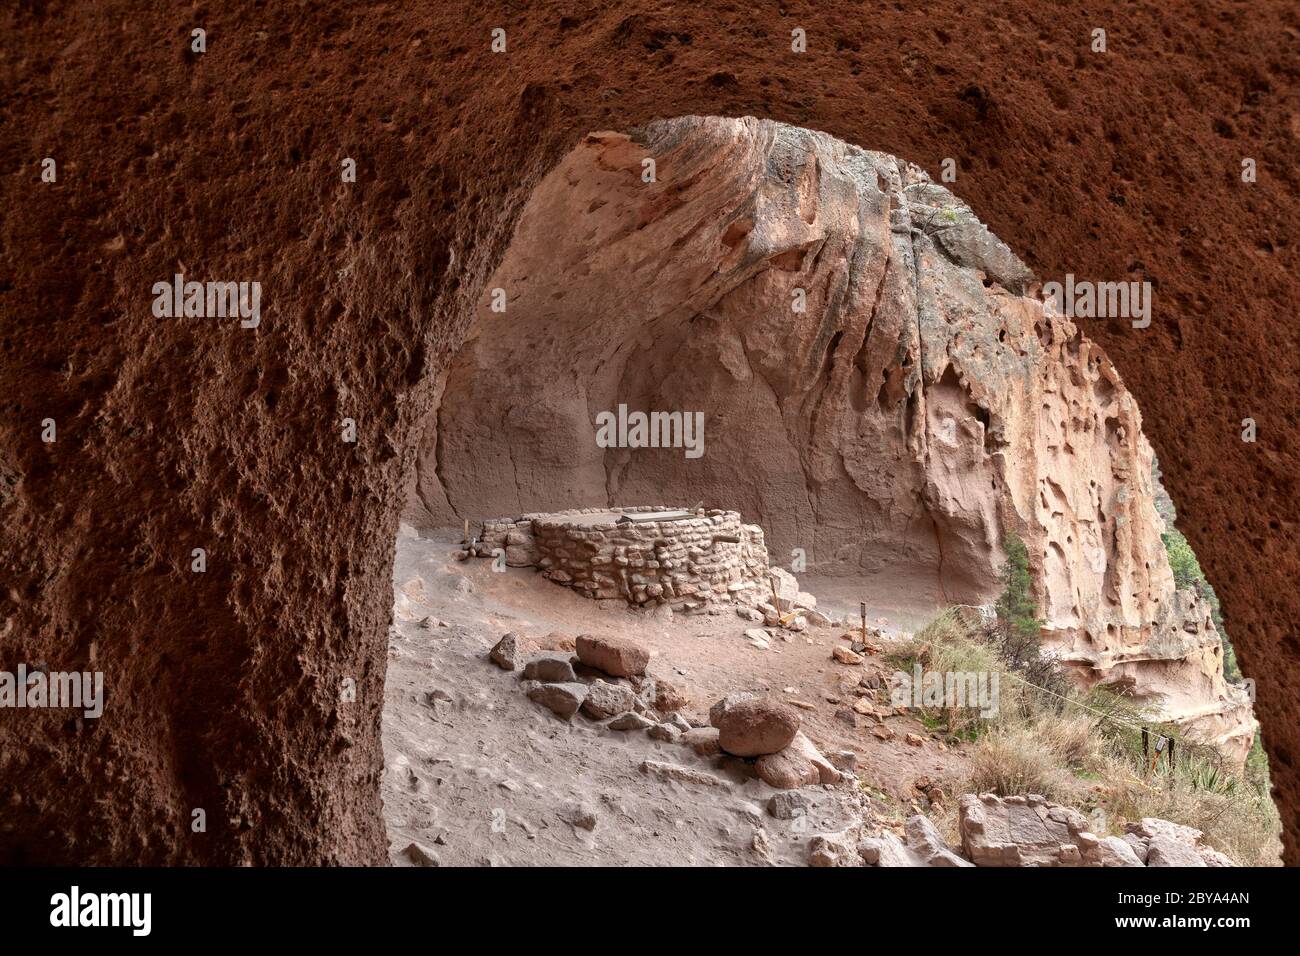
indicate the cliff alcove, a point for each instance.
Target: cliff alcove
{"x":867,"y":382}
{"x":173,"y":434}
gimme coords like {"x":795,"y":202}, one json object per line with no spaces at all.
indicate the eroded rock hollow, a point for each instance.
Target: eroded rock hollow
{"x":877,"y":390}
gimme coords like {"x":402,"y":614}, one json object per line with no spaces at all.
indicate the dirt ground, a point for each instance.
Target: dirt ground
{"x":478,"y":774}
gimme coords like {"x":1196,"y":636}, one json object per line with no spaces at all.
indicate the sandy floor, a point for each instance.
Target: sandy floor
{"x":480,"y":775}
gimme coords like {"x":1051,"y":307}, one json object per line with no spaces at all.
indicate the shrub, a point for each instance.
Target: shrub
{"x":1017,"y":633}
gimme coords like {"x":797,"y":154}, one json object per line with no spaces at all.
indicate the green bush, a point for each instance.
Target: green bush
{"x":1017,"y":631}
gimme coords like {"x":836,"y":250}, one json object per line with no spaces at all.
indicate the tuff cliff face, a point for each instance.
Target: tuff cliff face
{"x":878,"y":391}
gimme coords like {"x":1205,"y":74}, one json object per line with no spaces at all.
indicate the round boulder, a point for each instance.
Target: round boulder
{"x":753,"y":728}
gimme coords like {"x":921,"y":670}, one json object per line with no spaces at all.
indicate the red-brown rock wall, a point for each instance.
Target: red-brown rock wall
{"x":223,"y":687}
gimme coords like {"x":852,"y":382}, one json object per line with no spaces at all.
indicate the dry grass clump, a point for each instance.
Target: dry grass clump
{"x":1085,"y":750}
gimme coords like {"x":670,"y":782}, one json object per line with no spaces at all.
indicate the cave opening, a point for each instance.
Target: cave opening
{"x":756,"y":278}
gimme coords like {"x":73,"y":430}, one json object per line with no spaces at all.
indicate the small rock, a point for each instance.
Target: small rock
{"x":914,"y":740}
{"x":846,"y":656}
{"x":665,"y":732}
{"x":667,"y":697}
{"x":833,"y":849}
{"x":847,"y":716}
{"x":703,"y":740}
{"x":549,"y":670}
{"x":630,"y":721}
{"x":843,"y":760}
{"x":579,"y":815}
{"x":505,"y":654}
{"x":563,"y":699}
{"x":421,"y":855}
{"x":749,"y":614}
{"x":789,"y":804}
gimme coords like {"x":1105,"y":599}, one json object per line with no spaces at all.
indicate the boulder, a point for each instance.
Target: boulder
{"x":613,"y":655}
{"x":421,"y":855}
{"x":1106,"y":851}
{"x":1164,"y":843}
{"x":607,"y":700}
{"x":1019,"y":831}
{"x":929,"y":847}
{"x":1163,"y":850}
{"x":799,"y":765}
{"x":886,"y":849}
{"x":753,"y":728}
{"x":717,"y":710}
{"x":786,"y":587}
{"x":1031,"y":831}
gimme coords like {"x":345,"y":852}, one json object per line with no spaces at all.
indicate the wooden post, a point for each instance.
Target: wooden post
{"x":862,"y":613}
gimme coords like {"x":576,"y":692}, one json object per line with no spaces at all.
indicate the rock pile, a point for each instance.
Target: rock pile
{"x":605,"y":680}
{"x":769,"y":731}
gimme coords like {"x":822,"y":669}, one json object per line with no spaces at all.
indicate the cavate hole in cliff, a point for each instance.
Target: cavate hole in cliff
{"x":746,"y":410}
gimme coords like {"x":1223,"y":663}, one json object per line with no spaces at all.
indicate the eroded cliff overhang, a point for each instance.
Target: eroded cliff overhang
{"x":879,"y":392}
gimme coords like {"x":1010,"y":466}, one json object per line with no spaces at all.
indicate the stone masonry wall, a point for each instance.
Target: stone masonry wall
{"x":690,"y":562}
